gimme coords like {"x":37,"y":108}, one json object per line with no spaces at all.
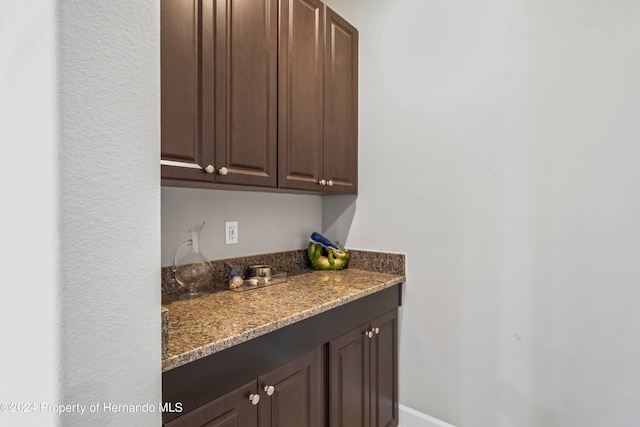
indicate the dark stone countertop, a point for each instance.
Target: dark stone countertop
{"x":200,"y":327}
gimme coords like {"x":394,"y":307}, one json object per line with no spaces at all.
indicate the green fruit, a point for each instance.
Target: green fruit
{"x":322,"y":258}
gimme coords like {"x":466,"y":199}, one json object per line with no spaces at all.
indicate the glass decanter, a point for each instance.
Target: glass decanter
{"x":192,"y":269}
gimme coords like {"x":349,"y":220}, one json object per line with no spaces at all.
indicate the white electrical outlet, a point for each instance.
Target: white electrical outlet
{"x":230,"y":232}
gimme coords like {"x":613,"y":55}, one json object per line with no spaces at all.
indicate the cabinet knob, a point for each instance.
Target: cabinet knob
{"x":223,"y":171}
{"x":368,"y":334}
{"x":376,"y":330}
{"x":269,"y":389}
{"x":254,"y":398}
{"x":322,"y":182}
{"x":330,"y":183}
{"x":209,"y":169}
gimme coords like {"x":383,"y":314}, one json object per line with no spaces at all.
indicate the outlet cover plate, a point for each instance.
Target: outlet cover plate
{"x":230,"y":232}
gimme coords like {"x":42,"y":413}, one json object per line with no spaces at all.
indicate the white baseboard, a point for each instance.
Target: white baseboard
{"x":409,"y":417}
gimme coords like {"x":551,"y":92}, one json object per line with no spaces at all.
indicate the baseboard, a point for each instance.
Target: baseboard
{"x":411,"y":418}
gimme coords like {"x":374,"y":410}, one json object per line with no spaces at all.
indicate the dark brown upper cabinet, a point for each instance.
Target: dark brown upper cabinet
{"x":300,"y":94}
{"x":340,"y":105}
{"x":219,"y":91}
{"x":258,"y":94}
{"x":239,"y":89}
{"x":183,"y":154}
{"x":317,"y":93}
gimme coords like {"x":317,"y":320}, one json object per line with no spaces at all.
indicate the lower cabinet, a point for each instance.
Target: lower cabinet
{"x":294,"y":393}
{"x":289,"y":396}
{"x":234,"y":408}
{"x":338,"y":368}
{"x":363,"y":375}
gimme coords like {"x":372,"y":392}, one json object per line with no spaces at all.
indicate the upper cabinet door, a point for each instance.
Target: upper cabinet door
{"x":260,"y":93}
{"x":341,"y":105}
{"x":239,"y":89}
{"x":300,"y":94}
{"x":183,"y":156}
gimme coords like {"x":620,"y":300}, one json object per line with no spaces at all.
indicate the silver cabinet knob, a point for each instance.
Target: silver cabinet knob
{"x":322,"y":182}
{"x":269,"y":389}
{"x":209,"y":169}
{"x":223,"y":171}
{"x":254,"y":398}
{"x":376,"y":330}
{"x":330,"y":183}
{"x":368,"y":334}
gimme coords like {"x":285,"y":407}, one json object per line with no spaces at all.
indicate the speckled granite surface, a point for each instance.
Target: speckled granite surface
{"x":291,"y":262}
{"x":218,"y":321}
{"x":165,"y":332}
{"x":381,"y":262}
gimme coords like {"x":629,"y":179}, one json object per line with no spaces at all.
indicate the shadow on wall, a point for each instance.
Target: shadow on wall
{"x":337,"y":216}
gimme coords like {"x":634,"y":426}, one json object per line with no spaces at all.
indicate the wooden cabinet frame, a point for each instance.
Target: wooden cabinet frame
{"x":291,"y":395}
{"x":219,"y":92}
{"x":258,"y":95}
{"x":202,"y":381}
{"x":363,"y":374}
{"x":318,"y":99}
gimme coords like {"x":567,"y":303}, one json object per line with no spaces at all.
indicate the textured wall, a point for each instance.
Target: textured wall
{"x":499,"y":150}
{"x":110,"y":193}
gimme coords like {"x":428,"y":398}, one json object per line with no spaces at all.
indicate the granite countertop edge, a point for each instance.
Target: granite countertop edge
{"x":219,"y":345}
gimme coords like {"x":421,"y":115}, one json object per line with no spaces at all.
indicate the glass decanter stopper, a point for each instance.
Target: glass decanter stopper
{"x":192,"y":269}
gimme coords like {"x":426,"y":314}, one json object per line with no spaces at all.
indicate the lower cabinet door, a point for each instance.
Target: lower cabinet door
{"x":384,"y":370}
{"x":293,"y":394}
{"x":349,"y":389}
{"x":363,"y":375}
{"x":233,"y":409}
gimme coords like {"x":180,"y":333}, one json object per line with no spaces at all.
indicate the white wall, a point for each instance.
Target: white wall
{"x":29,"y":326}
{"x":79,"y":124}
{"x":508,"y":133}
{"x":267,"y":222}
{"x":109,"y":99}
{"x":512,"y":188}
